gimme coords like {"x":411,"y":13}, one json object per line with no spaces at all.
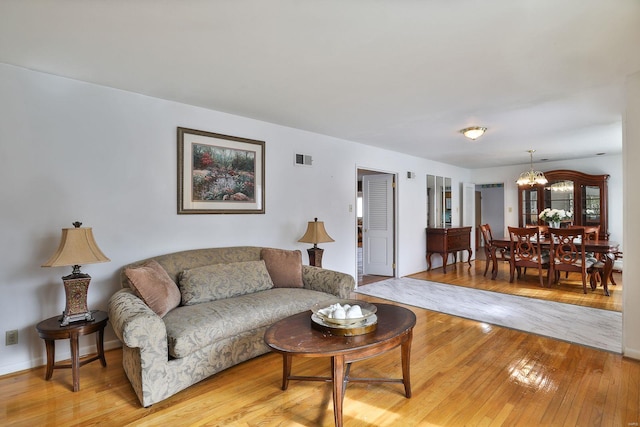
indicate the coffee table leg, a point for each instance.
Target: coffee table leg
{"x":338,"y":365}
{"x":406,"y":356}
{"x":286,"y":370}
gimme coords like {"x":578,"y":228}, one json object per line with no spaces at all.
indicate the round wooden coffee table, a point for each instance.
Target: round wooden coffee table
{"x":294,"y":336}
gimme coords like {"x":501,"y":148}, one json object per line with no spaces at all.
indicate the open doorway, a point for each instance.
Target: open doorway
{"x":375,"y":225}
{"x":491,"y":207}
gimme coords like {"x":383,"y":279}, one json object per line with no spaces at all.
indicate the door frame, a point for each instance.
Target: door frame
{"x":375,"y":171}
{"x":498,"y":227}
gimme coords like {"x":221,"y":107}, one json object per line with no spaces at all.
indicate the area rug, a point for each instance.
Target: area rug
{"x":588,"y":326}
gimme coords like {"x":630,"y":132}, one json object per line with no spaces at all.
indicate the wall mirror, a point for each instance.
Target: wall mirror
{"x":438,"y":201}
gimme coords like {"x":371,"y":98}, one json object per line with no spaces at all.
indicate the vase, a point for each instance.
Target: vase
{"x":554,"y":224}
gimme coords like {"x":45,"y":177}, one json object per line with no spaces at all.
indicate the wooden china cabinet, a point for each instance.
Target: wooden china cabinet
{"x":583,"y":194}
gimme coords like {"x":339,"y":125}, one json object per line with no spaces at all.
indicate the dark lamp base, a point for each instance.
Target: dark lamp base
{"x":75,"y":288}
{"x":315,"y":257}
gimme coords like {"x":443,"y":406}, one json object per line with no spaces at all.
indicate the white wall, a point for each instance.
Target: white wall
{"x":631,"y":152}
{"x":71,"y":151}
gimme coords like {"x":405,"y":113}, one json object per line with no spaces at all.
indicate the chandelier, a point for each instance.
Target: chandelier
{"x":531,"y":177}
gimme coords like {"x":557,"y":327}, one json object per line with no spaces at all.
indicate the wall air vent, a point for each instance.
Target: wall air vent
{"x":302,"y":160}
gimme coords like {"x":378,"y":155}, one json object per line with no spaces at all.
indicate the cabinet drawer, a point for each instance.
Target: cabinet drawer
{"x":458,"y":242}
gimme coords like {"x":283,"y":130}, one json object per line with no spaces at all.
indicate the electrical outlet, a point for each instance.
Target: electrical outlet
{"x":11,"y":337}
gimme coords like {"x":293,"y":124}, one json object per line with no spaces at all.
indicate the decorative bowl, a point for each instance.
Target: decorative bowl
{"x":320,"y":310}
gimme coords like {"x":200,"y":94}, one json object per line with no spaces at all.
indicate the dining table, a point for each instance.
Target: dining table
{"x":606,"y":248}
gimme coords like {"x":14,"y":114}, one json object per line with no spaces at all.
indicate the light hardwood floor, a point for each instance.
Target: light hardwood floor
{"x":463,"y":373}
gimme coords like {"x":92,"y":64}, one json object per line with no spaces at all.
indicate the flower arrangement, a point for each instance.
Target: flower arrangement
{"x":554,"y":215}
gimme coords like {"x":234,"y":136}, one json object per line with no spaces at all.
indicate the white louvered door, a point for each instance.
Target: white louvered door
{"x":377,"y":224}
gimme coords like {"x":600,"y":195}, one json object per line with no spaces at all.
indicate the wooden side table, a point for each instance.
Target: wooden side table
{"x":50,"y":330}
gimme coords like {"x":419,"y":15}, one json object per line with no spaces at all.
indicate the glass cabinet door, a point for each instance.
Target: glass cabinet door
{"x":590,"y":205}
{"x":559,"y":195}
{"x":529,"y":206}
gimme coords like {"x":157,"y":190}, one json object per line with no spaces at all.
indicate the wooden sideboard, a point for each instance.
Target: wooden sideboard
{"x":446,"y":240}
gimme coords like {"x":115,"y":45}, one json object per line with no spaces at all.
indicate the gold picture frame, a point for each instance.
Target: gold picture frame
{"x":220,"y":174}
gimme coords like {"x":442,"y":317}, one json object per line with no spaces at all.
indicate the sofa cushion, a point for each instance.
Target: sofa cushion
{"x":284,"y":267}
{"x":153,"y":285}
{"x":219,"y":281}
{"x":190,"y":328}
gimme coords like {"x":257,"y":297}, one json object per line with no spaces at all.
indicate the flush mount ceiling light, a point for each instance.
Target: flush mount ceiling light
{"x":473,"y":132}
{"x":531,"y":177}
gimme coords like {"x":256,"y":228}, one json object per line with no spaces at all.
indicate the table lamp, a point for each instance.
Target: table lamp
{"x":77,"y":246}
{"x":315,"y":234}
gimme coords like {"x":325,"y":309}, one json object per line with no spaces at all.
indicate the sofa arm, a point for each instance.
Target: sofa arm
{"x":136,"y":325}
{"x":329,"y":281}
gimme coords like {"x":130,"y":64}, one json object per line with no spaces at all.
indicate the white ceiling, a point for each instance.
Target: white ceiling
{"x":401,"y":74}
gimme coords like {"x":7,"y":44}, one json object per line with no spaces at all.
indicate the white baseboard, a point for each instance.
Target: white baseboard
{"x":631,"y":353}
{"x":60,"y":355}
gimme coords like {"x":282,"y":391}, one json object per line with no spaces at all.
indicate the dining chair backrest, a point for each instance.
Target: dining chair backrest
{"x":591,"y":232}
{"x":525,"y":243}
{"x":567,"y":245}
{"x":485,"y":229}
{"x":543,"y":229}
{"x":567,"y":253}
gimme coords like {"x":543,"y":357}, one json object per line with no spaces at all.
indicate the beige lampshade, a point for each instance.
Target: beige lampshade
{"x":316,"y":233}
{"x":77,"y":247}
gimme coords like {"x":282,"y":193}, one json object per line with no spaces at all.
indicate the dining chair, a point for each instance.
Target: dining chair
{"x":485,"y":229}
{"x":500,"y":253}
{"x":597,"y":269}
{"x":591,"y":233}
{"x":617,"y":266}
{"x":525,"y":251}
{"x":543,"y":229}
{"x":567,"y":253}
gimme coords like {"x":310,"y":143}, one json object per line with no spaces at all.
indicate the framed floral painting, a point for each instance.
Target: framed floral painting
{"x":219,"y":174}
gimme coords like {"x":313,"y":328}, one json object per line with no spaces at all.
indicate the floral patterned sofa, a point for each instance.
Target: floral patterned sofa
{"x":185,"y":316}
